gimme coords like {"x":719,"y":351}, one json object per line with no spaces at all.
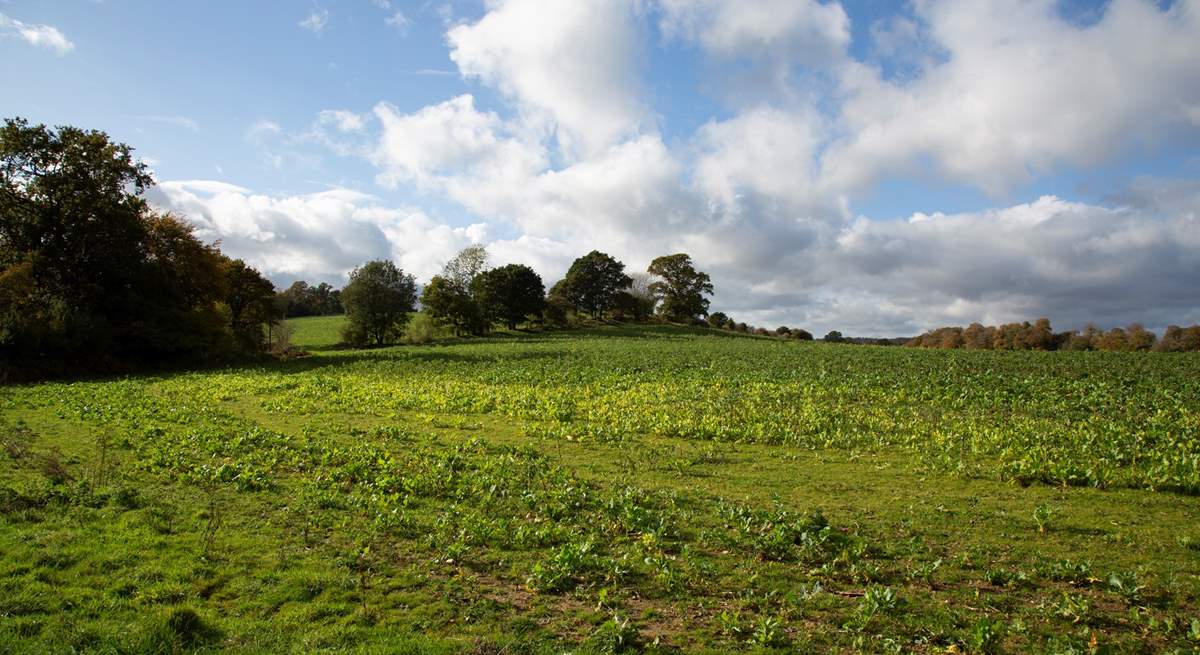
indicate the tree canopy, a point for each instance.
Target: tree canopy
{"x":91,"y":277}
{"x":302,"y":299}
{"x":448,"y":303}
{"x":592,"y":282}
{"x":510,"y":293}
{"x":378,"y":301}
{"x":452,"y":297}
{"x":682,"y":288}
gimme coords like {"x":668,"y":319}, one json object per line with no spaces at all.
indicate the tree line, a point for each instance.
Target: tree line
{"x":300,"y":299}
{"x":468,"y":297}
{"x":1040,"y":336}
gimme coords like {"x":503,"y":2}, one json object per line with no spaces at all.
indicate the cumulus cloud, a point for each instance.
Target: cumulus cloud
{"x":451,"y":145}
{"x":1017,"y":91}
{"x":317,"y":236}
{"x":765,"y":150}
{"x":1070,"y":261}
{"x":321,"y":237}
{"x":42,"y":36}
{"x":567,"y":65}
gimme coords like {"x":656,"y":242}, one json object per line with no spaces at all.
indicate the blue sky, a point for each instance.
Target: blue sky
{"x":874,"y":167}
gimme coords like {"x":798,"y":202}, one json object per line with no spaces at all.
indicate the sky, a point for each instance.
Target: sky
{"x":878,"y":168}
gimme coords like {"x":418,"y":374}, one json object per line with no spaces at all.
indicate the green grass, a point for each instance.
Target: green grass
{"x":317,"y":333}
{"x":635,"y":487}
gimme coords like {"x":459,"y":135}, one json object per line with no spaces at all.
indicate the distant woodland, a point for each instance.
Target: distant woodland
{"x":1040,"y":336}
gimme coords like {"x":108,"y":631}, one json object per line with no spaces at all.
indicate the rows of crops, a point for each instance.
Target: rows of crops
{"x":628,"y":488}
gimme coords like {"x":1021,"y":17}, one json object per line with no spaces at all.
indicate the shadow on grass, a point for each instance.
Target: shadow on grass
{"x":451,"y":349}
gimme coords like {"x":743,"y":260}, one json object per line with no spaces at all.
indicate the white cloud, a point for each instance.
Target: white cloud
{"x":567,"y":65}
{"x":450,"y":140}
{"x":177,"y":121}
{"x":802,"y":31}
{"x":262,"y":128}
{"x":344,"y":121}
{"x":321,"y":237}
{"x":42,"y":36}
{"x":1073,"y":262}
{"x":398,"y":21}
{"x":765,"y":150}
{"x":316,"y":21}
{"x":1016,"y":91}
{"x":317,"y":236}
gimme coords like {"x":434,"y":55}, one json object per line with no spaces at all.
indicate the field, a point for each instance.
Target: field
{"x":619,"y":488}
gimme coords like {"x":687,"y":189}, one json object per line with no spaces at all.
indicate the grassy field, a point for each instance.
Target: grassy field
{"x":613,"y":489}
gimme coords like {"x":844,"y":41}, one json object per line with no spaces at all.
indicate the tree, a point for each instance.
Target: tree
{"x":625,"y":306}
{"x":802,"y":334}
{"x":592,"y":282}
{"x":977,"y":337}
{"x":510,"y":293}
{"x":251,"y":302}
{"x":183,"y":283}
{"x":833,"y":336}
{"x":682,"y":288}
{"x":452,"y":299}
{"x":1088,"y":339}
{"x":950,"y":339}
{"x":296,"y":299}
{"x":783,"y":331}
{"x":378,"y":301}
{"x":71,"y":224}
{"x":643,"y":298}
{"x":718,"y":320}
{"x":1177,"y":339}
{"x":447,"y":303}
{"x":1113,"y":340}
{"x":1040,"y":336}
{"x":70,"y":203}
{"x":1139,"y":338}
{"x":468,"y":264}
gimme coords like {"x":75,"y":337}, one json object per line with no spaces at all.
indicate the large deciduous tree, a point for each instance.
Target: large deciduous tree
{"x":452,"y":297}
{"x":510,"y":293}
{"x":592,"y":282}
{"x":378,"y":301}
{"x":90,"y":276}
{"x":448,"y":303}
{"x":682,"y":288}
